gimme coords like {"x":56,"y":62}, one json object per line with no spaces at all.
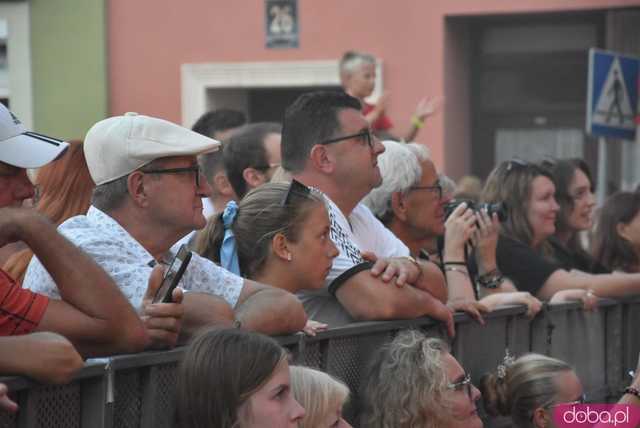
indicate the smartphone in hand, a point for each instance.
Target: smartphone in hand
{"x":173,"y":275}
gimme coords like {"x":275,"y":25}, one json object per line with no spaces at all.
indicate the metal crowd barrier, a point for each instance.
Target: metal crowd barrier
{"x":138,"y":390}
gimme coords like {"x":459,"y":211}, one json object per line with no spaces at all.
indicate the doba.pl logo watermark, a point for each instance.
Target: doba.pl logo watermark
{"x":596,"y":415}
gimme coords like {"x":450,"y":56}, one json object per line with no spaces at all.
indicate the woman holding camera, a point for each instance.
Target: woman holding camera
{"x":524,"y":252}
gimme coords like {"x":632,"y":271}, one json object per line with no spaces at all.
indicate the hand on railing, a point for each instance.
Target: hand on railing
{"x":5,"y":402}
{"x":313,"y":327}
{"x":587,"y":297}
{"x":473,"y":308}
{"x":492,"y":301}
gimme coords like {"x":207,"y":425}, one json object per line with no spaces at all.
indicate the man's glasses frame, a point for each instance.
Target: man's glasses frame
{"x":366,"y":134}
{"x":195,"y":170}
{"x":435,"y":188}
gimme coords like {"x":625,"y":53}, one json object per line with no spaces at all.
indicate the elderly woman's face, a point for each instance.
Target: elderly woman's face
{"x":462,"y":396}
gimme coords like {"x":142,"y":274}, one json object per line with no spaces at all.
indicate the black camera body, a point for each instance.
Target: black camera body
{"x":499,"y":208}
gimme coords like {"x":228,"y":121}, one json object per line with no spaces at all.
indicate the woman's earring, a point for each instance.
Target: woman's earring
{"x":289,"y":257}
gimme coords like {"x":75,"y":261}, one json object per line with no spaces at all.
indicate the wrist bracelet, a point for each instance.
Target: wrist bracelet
{"x":415,"y":120}
{"x":633,"y":391}
{"x":455,"y":263}
{"x":456,"y":269}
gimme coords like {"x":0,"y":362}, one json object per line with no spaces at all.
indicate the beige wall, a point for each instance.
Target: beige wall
{"x":150,"y":39}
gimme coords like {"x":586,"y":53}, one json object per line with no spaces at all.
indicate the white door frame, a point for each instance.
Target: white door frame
{"x":197,"y":79}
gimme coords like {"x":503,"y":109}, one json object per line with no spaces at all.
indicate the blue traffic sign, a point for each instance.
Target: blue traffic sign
{"x":612,"y":100}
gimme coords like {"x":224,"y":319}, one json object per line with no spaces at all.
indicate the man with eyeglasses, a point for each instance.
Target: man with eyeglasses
{"x":410,"y":201}
{"x":42,"y":337}
{"x":148,"y":195}
{"x":411,"y":204}
{"x":252,"y":156}
{"x":327,"y":144}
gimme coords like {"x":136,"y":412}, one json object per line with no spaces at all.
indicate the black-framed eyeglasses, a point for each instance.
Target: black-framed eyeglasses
{"x":464,"y":383}
{"x":295,"y":189}
{"x":364,"y":134}
{"x":437,"y":188}
{"x":195,"y":170}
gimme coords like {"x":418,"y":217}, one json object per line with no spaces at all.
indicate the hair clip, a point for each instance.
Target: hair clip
{"x":507,"y":361}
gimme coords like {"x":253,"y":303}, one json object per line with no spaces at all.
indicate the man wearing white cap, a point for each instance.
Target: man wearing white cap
{"x":97,"y":319}
{"x":147,"y":196}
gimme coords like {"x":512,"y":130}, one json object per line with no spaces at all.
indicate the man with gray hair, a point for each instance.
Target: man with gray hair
{"x":410,"y":202}
{"x":148,"y":195}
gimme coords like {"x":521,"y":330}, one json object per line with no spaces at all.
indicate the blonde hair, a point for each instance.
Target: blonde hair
{"x":528,"y":383}
{"x":319,"y":394}
{"x":406,"y":384}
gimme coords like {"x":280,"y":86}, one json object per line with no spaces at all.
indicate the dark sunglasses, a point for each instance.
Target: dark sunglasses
{"x":295,"y":189}
{"x":364,"y":134}
{"x":195,"y":170}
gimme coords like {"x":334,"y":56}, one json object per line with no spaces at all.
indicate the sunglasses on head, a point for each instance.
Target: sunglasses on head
{"x":295,"y":189}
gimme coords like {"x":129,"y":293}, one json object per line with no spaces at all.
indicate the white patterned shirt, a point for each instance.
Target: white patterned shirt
{"x":128,"y":262}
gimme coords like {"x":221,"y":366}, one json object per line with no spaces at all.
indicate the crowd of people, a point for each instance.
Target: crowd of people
{"x":303,"y":226}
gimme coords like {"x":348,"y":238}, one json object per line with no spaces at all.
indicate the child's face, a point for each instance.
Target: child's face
{"x":360,"y":83}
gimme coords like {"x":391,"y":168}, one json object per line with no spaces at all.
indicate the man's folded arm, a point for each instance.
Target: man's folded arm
{"x":366,"y":297}
{"x":93,"y":313}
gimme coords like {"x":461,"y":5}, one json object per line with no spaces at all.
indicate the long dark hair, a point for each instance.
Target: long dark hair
{"x":609,"y":248}
{"x":220,"y":370}
{"x":563,"y":172}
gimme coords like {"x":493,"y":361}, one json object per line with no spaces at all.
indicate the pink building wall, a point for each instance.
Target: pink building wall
{"x":149,"y":40}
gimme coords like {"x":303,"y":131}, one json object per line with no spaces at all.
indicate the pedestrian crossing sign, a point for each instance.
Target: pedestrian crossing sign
{"x":612,"y":102}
